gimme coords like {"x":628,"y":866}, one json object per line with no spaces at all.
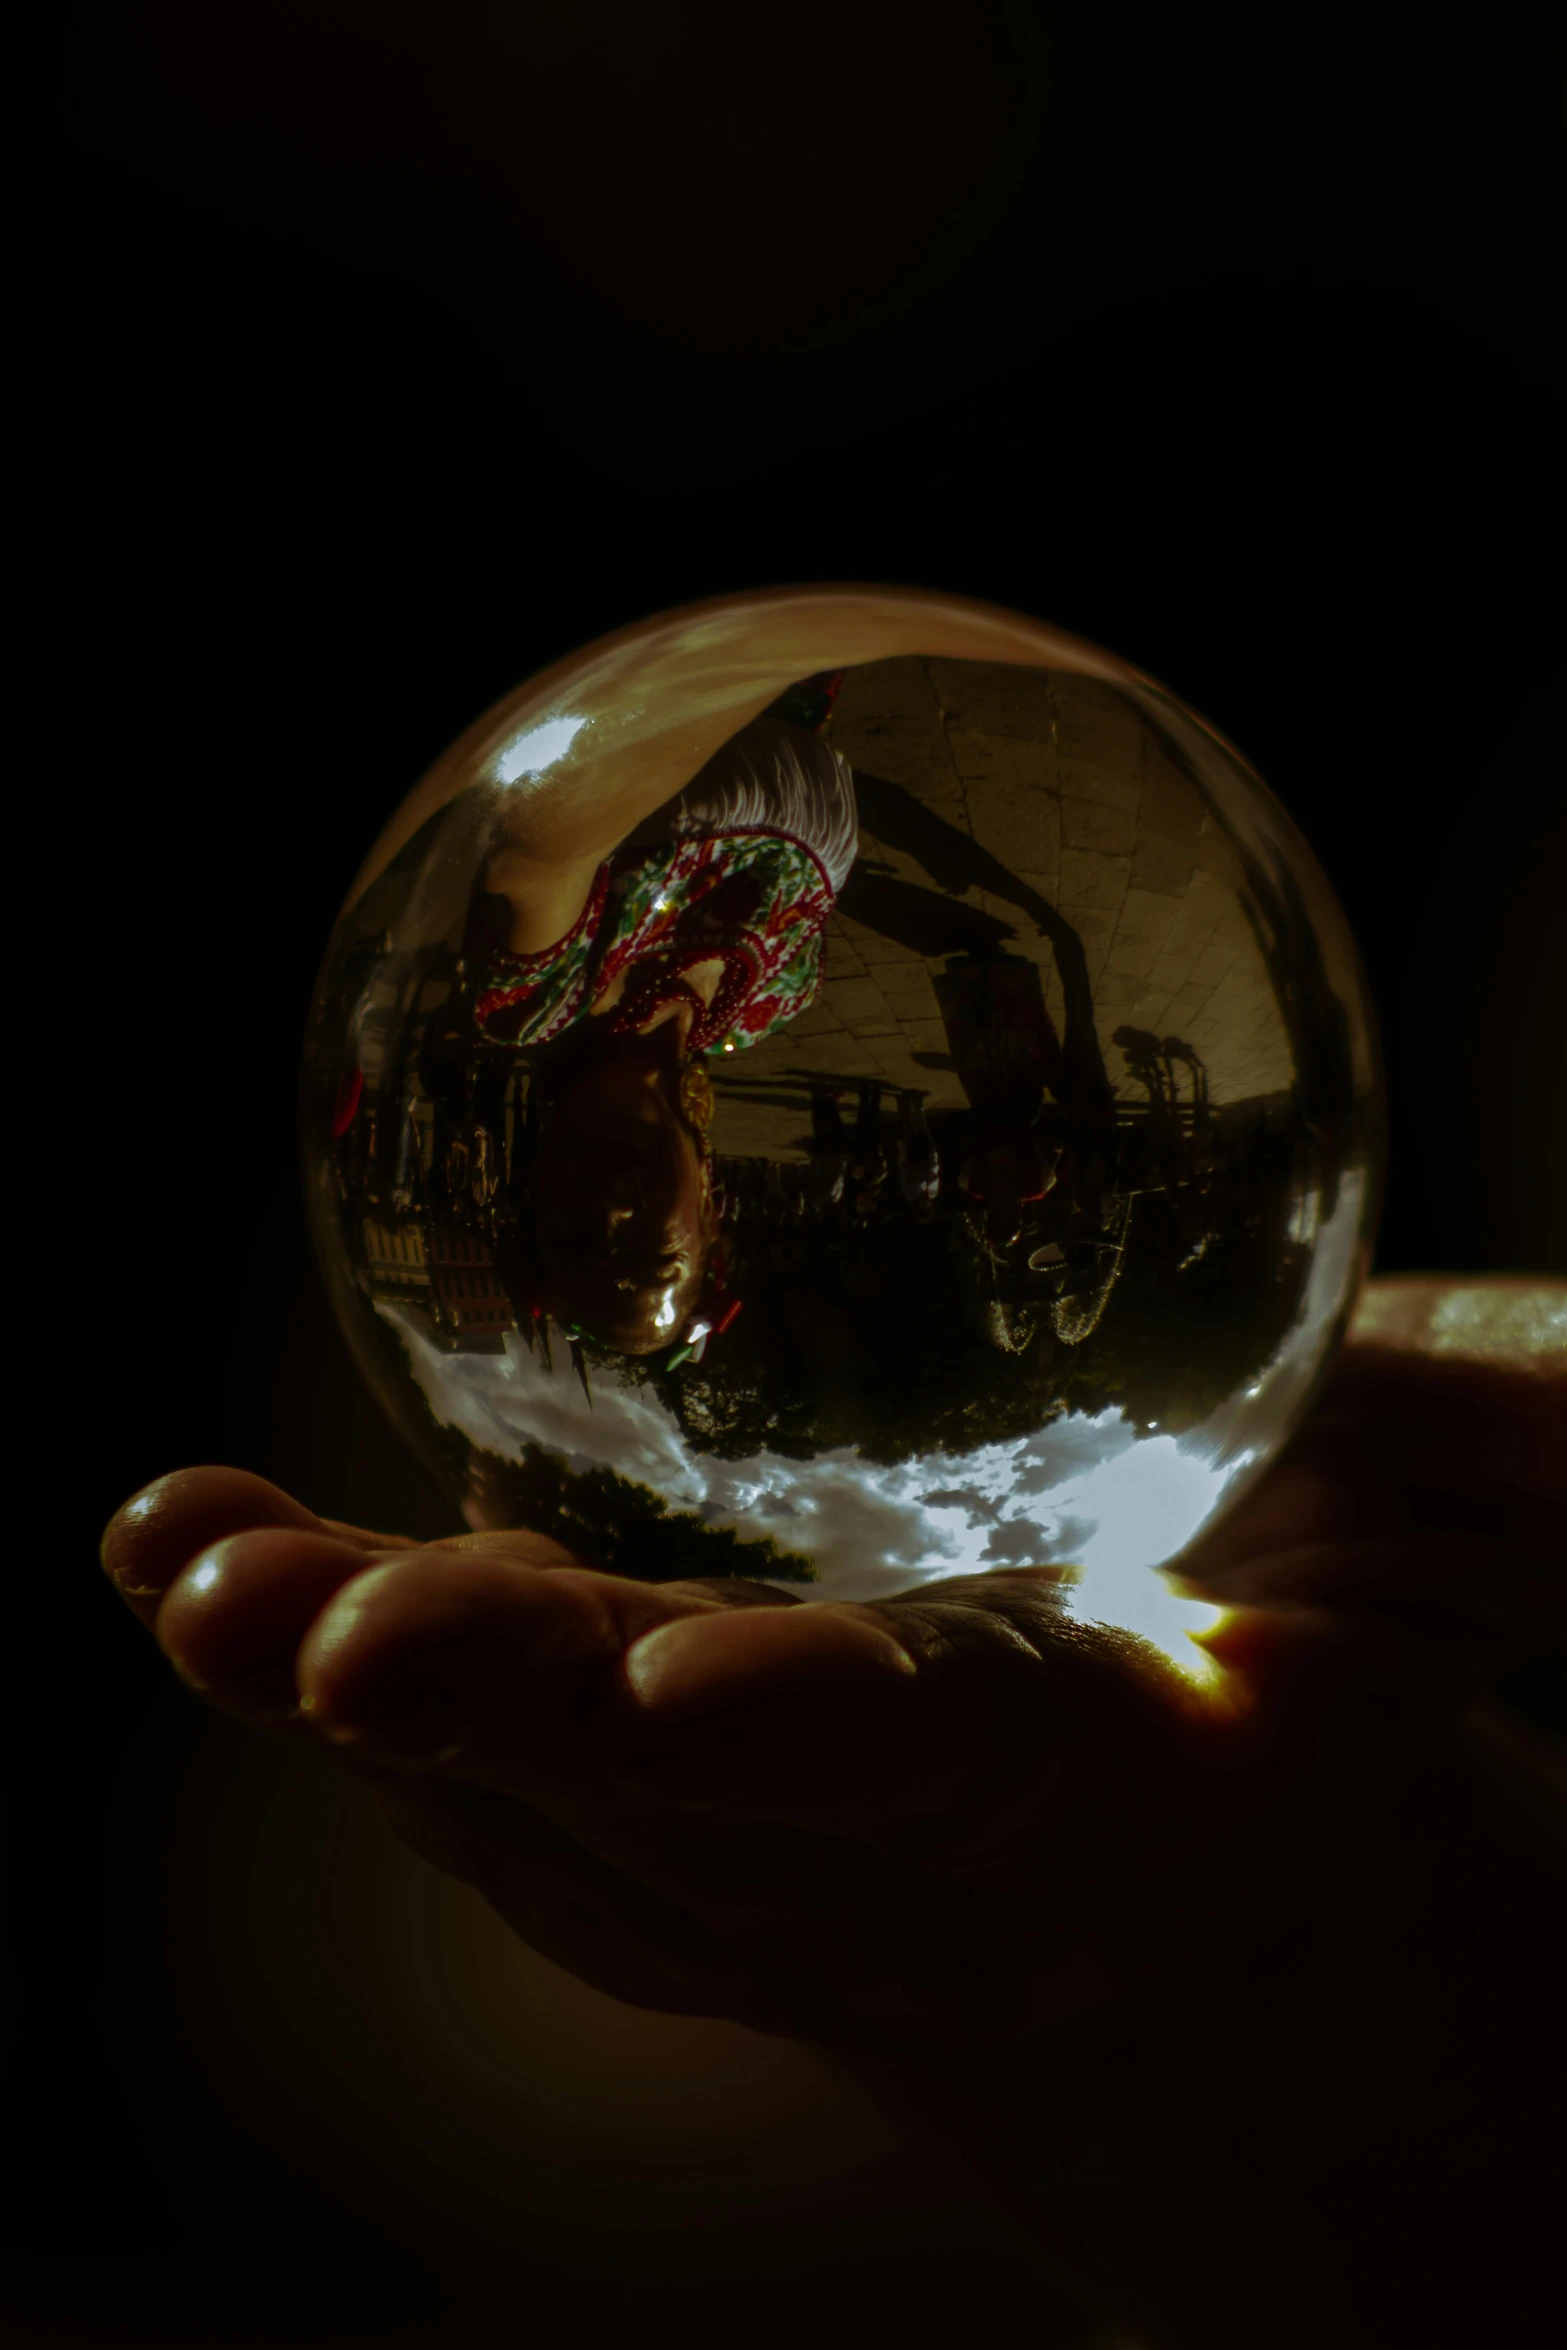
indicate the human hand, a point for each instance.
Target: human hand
{"x":953,"y":1816}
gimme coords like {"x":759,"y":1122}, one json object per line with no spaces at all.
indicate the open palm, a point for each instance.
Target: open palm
{"x":954,"y":1815}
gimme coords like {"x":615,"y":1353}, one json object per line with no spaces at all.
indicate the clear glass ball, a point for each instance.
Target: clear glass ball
{"x":846,"y":1086}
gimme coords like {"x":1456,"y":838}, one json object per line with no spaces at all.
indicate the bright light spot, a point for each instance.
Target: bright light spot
{"x":205,"y":1575}
{"x":1149,"y":1502}
{"x":539,"y":748}
{"x":1149,"y":1607}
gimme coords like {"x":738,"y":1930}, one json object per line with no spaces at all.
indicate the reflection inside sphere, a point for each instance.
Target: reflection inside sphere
{"x":936,"y":1131}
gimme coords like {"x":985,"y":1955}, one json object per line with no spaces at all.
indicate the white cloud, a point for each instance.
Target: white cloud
{"x":1082,"y":1489}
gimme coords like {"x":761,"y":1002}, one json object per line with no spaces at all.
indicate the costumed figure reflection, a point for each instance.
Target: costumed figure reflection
{"x":698,"y":936}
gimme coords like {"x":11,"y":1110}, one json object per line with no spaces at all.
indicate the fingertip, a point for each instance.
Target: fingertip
{"x":231,"y":1622}
{"x":160,"y":1529}
{"x":123,"y":1539}
{"x":705,"y":1660}
{"x":411,"y":1642}
{"x":341,"y":1619}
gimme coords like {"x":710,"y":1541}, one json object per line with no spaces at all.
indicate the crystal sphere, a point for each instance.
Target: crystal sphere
{"x":848,"y":1086}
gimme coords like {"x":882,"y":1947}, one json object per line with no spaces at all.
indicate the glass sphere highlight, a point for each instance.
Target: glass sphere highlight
{"x":847,"y":1086}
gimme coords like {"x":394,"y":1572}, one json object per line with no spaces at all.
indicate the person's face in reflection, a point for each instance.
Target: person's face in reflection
{"x":624,"y":1216}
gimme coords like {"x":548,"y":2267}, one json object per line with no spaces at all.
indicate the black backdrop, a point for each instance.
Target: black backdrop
{"x":372,"y":358}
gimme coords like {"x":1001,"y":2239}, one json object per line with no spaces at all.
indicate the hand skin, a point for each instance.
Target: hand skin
{"x":1248,"y":2009}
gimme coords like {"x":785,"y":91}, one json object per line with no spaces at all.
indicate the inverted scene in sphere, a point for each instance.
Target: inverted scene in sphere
{"x":846,"y":1087}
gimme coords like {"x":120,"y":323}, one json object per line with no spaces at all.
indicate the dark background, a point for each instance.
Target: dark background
{"x":371,"y":358}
